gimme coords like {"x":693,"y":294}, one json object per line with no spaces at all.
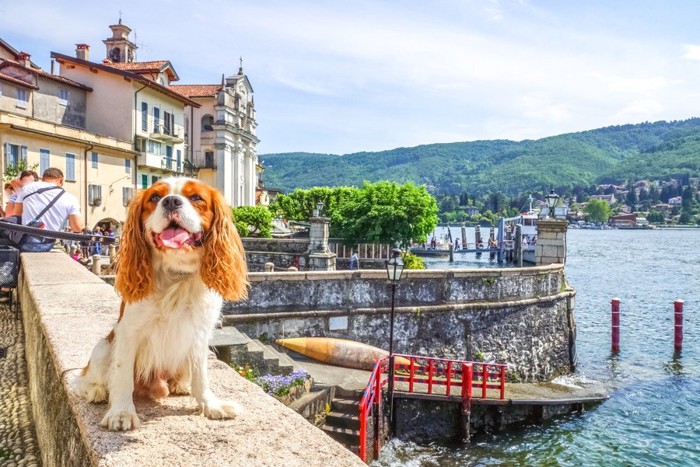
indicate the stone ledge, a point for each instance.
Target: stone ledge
{"x":61,"y":327}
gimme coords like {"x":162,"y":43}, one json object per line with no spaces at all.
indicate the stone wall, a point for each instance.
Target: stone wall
{"x":282,"y":252}
{"x":523,"y":317}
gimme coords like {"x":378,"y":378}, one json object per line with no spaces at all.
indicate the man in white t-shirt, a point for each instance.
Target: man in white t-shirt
{"x":36,"y":196}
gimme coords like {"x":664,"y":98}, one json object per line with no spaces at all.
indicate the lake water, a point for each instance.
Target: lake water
{"x":653,"y":415}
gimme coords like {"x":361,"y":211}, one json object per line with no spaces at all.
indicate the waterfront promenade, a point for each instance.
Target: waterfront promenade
{"x":18,"y":443}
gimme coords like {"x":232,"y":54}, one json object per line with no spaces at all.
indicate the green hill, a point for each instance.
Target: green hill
{"x":616,"y":153}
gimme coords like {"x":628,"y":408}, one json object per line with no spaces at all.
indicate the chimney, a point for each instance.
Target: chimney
{"x":82,"y":51}
{"x":23,"y":59}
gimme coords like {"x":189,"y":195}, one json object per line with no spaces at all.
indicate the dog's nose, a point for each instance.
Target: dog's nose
{"x":172,"y":203}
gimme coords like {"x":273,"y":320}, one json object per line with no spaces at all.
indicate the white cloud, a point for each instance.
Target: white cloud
{"x":350,"y":76}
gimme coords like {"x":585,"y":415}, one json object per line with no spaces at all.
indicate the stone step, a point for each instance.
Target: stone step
{"x":228,"y":336}
{"x":345,"y":436}
{"x":350,"y":406}
{"x":284,"y":360}
{"x":343,"y":420}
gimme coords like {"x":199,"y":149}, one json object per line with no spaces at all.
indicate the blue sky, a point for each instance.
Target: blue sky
{"x":340,"y":77}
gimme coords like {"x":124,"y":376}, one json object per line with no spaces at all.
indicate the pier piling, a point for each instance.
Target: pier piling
{"x":678,"y":332}
{"x":615,"y":302}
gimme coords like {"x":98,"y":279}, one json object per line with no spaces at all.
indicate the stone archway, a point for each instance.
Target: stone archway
{"x":108,"y":223}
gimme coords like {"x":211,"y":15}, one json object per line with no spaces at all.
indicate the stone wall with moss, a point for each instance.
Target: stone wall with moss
{"x":522,"y":317}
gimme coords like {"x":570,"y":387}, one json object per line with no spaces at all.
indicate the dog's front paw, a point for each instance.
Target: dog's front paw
{"x":218,"y":409}
{"x":121,"y":419}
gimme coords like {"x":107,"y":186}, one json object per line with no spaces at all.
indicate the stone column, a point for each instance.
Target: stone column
{"x":551,"y":241}
{"x":320,"y":257}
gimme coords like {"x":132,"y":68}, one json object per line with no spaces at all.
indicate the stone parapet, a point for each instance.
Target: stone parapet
{"x":551,"y":241}
{"x":65,"y":310}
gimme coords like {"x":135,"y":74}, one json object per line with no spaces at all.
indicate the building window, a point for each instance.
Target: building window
{"x":63,"y":96}
{"x":166,"y":122}
{"x":144,"y":181}
{"x":207,"y":123}
{"x":127,"y":195}
{"x":154,"y":147}
{"x":156,"y":120}
{"x":44,"y":160}
{"x":154,"y":178}
{"x":94,"y":160}
{"x":22,"y":98}
{"x":209,"y":160}
{"x":94,"y":195}
{"x":127,"y":166}
{"x":70,"y":167}
{"x":11,"y":154}
{"x":144,"y":116}
{"x":179,"y":160}
{"x":23,"y":153}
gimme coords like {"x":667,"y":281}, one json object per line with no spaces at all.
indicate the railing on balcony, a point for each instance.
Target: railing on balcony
{"x":205,"y":160}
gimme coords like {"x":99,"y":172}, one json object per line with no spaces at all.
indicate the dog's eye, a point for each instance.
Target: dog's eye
{"x":155,"y":198}
{"x":195,"y":197}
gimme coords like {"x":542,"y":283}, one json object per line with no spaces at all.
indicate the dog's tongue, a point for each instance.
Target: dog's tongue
{"x":174,"y":238}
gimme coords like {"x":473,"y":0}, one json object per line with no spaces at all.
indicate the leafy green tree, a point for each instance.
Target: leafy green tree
{"x":13,"y":170}
{"x":655,"y":217}
{"x":684,"y":217}
{"x":386,"y":212}
{"x":299,"y":204}
{"x":253,"y":221}
{"x":598,"y":210}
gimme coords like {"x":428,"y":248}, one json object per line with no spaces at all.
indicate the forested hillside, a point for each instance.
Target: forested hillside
{"x":617,"y":153}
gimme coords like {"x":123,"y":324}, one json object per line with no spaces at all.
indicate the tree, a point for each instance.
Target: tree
{"x":13,"y":170}
{"x":253,"y":221}
{"x":655,"y":217}
{"x":299,"y":205}
{"x":385,"y":212}
{"x":598,"y":210}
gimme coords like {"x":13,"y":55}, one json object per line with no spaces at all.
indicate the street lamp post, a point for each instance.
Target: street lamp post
{"x":394,"y":268}
{"x":552,"y":199}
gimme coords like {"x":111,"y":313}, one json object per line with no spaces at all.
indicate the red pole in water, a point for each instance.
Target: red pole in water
{"x":678,"y":335}
{"x":615,"y":324}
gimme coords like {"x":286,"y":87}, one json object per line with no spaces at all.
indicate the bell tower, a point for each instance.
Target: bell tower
{"x":119,"y":48}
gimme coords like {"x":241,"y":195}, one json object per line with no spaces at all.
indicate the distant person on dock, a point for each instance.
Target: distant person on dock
{"x":458,"y":244}
{"x":433,"y":243}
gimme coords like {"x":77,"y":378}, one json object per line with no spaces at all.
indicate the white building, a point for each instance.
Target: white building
{"x":221,"y":136}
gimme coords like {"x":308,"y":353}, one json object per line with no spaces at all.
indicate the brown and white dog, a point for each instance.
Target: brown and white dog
{"x":180,"y":256}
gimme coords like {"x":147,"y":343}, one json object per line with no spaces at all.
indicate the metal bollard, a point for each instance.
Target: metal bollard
{"x":615,"y":302}
{"x":678,"y":331}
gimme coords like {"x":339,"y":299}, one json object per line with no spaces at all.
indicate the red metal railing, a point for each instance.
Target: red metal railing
{"x":441,"y":372}
{"x":426,"y":375}
{"x":371,"y":402}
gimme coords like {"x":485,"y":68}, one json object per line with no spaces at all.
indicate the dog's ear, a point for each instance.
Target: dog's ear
{"x":134,"y":274}
{"x":224,"y":266}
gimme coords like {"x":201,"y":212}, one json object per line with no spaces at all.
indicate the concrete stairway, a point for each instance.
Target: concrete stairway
{"x":343,"y":422}
{"x":236,"y":348}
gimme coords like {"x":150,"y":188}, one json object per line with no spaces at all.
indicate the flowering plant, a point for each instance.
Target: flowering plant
{"x":279,"y":385}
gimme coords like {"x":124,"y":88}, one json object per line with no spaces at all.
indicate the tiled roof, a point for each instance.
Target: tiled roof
{"x":138,"y":67}
{"x":14,"y":80}
{"x":196,"y":90}
{"x":61,"y":79}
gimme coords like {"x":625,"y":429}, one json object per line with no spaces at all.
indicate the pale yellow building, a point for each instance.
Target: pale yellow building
{"x":43,"y":122}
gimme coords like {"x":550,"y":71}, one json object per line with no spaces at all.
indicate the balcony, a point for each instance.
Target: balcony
{"x":204,"y":160}
{"x":156,"y":161}
{"x":167,"y":135}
